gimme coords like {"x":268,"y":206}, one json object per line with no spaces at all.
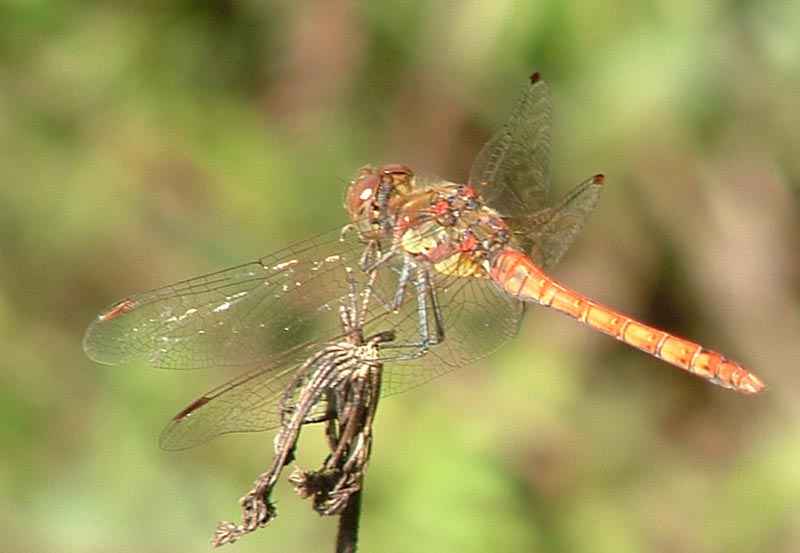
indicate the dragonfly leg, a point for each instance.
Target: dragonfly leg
{"x":428,"y":315}
{"x":437,"y":315}
{"x":426,"y":296}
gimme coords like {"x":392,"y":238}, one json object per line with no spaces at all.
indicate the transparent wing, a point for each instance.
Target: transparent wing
{"x":554,"y":228}
{"x":511,"y":173}
{"x":511,"y":170}
{"x":267,"y":317}
{"x":247,"y":403}
{"x":477,"y":317}
{"x":237,"y":316}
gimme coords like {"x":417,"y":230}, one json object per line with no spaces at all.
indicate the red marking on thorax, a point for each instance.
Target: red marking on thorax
{"x":468,"y":242}
{"x":441,"y":207}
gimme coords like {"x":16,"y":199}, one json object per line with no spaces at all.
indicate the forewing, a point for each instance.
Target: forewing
{"x":511,"y":170}
{"x":238,"y":316}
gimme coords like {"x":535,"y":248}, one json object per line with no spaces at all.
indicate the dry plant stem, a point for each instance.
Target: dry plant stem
{"x":339,"y":385}
{"x":257,"y":510}
{"x":350,"y":435}
{"x":347,"y":537}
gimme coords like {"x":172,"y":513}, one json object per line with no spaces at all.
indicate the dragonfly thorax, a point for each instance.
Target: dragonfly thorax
{"x":445,"y":224}
{"x":450,"y":226}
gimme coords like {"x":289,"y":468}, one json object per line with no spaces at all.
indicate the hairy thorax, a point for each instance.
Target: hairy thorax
{"x":449,"y":226}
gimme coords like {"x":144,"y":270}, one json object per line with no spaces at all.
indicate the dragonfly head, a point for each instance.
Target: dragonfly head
{"x":370,"y":192}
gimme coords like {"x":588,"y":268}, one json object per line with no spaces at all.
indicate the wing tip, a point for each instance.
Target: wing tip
{"x":93,"y":348}
{"x":535,"y":77}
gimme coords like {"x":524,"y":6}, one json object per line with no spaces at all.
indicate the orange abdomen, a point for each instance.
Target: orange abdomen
{"x":519,"y":276}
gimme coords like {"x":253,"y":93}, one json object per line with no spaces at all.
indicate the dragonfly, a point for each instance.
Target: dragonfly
{"x":447,"y":268}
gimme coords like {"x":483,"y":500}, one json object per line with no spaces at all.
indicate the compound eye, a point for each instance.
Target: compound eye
{"x":361,"y":193}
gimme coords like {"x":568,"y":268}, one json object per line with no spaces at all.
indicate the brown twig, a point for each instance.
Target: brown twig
{"x":347,"y":536}
{"x":339,"y":385}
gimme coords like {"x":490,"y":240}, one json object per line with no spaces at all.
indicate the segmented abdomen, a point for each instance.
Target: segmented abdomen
{"x":519,"y":276}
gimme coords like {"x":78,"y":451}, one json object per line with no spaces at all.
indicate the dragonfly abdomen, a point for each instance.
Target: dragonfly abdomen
{"x":519,"y":276}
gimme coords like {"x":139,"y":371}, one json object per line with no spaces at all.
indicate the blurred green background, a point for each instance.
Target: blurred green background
{"x":142,"y":144}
